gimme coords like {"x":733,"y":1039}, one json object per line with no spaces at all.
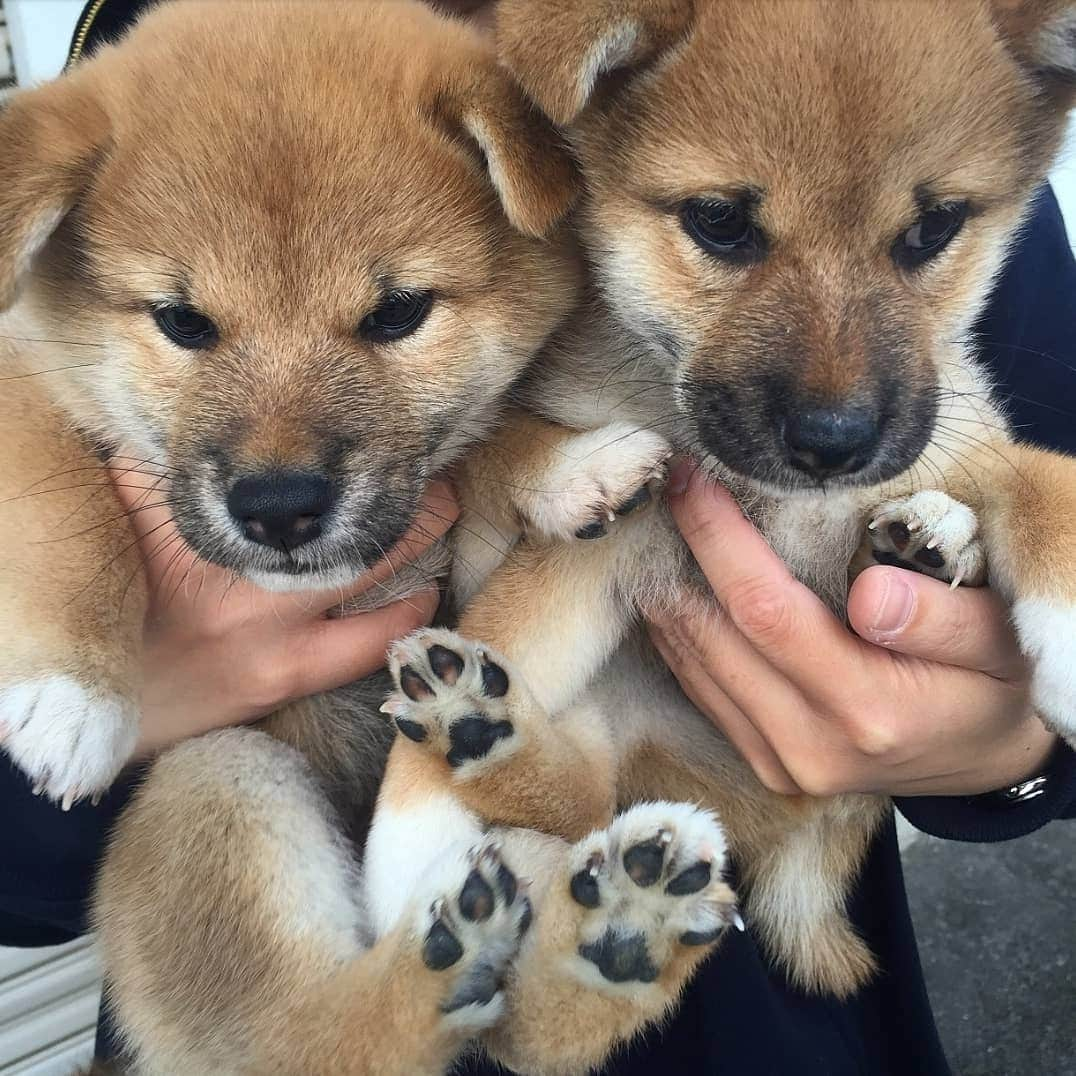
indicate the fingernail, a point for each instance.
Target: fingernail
{"x":679,"y":476}
{"x":896,"y":607}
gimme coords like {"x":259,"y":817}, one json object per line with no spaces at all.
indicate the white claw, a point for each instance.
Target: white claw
{"x":956,"y":580}
{"x":664,"y":837}
{"x":610,"y":515}
{"x":873,"y":525}
{"x":68,"y":800}
{"x":932,"y":543}
{"x":738,"y":923}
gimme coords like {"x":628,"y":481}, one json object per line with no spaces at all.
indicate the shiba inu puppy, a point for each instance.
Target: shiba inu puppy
{"x":292,"y":254}
{"x":794,"y":213}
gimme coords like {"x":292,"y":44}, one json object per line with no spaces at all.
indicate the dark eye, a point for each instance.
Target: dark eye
{"x":724,"y":229}
{"x":930,"y":234}
{"x":399,"y":315}
{"x":185,"y":326}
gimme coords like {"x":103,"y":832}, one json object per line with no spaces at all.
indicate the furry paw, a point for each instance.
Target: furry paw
{"x":70,"y":740}
{"x":472,"y":931}
{"x":931,"y":533}
{"x":453,"y":696}
{"x":601,"y":476}
{"x":651,"y":882}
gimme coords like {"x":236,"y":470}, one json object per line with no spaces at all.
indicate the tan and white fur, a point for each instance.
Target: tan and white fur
{"x":273,"y":183}
{"x":845,"y":138}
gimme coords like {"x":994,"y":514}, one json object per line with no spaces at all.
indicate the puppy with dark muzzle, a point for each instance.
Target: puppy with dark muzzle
{"x":292,"y":255}
{"x":794,"y":213}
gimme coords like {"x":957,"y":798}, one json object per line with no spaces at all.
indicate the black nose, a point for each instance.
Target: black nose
{"x":282,"y":509}
{"x":825,"y":443}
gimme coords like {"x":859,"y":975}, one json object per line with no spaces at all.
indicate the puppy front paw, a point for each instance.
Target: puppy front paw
{"x":599,"y":478}
{"x":471,"y":932}
{"x":652,"y":884}
{"x":932,"y":533}
{"x":71,"y":740}
{"x":458,"y":699}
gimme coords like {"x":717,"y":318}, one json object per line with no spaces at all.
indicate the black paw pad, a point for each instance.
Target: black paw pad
{"x":621,"y":959}
{"x":447,"y":665}
{"x":507,"y":883}
{"x":644,"y":861}
{"x":527,"y":917}
{"x":700,"y":937}
{"x":474,"y":737}
{"x":930,"y":557}
{"x":592,"y":531}
{"x":584,"y":884}
{"x":689,"y":881}
{"x":899,"y":535}
{"x":413,"y":686}
{"x":476,"y":898}
{"x":494,"y":680}
{"x":891,"y":560}
{"x":441,"y":949}
{"x":642,"y":496}
{"x":411,"y":729}
{"x":480,"y":988}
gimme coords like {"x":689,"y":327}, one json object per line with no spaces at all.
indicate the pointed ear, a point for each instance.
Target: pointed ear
{"x":1042,"y":36}
{"x":52,"y":138}
{"x":559,"y":49}
{"x":528,"y":161}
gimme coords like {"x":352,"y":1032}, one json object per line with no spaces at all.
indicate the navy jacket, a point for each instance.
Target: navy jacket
{"x":740,"y":1017}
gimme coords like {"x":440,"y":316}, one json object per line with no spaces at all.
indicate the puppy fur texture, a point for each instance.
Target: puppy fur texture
{"x":840,"y":132}
{"x":280,"y":168}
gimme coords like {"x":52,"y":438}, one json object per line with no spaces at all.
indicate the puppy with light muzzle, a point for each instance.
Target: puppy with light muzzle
{"x":794,"y":214}
{"x":292,"y":254}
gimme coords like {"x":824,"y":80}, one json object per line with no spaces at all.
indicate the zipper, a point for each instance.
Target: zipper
{"x":83,"y":31}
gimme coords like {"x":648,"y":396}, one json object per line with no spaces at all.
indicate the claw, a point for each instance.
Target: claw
{"x":956,"y":580}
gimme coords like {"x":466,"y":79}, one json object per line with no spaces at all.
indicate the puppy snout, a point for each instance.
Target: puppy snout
{"x":826,"y":442}
{"x":281,"y":510}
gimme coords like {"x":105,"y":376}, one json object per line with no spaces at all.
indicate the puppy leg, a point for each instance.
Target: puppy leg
{"x":495,"y":747}
{"x":1028,"y":522}
{"x":537,"y":479}
{"x":623,"y":919}
{"x":72,"y":602}
{"x":234,"y":939}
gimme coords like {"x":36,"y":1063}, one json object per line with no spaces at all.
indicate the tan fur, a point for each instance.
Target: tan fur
{"x":842,"y":122}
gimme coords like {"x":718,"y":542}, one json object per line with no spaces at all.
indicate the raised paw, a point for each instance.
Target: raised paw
{"x":600,"y":477}
{"x":652,"y":882}
{"x":471,"y":932}
{"x":457,"y":698}
{"x":70,"y":740}
{"x":932,"y":533}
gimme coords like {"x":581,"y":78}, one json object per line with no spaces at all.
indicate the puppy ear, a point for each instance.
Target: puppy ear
{"x":528,"y":161}
{"x":51,"y":139}
{"x":1042,"y":36}
{"x":559,"y":49}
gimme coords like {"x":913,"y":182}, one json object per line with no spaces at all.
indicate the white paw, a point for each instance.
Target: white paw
{"x":1047,"y":632}
{"x":652,"y":881}
{"x":71,"y":741}
{"x":474,"y":917}
{"x":600,"y":476}
{"x":931,"y":533}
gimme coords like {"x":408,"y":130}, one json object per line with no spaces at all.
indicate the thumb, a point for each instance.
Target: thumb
{"x":923,"y":618}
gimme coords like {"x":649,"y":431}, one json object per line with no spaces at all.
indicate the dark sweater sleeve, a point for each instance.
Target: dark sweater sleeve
{"x":1027,"y":339}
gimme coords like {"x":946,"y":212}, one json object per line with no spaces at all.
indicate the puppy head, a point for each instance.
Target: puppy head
{"x":800,"y":206}
{"x":301,"y":244}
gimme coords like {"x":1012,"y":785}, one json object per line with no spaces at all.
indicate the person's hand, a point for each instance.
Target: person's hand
{"x":221,"y":652}
{"x":931,"y":697}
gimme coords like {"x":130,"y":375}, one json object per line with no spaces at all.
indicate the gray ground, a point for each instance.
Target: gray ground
{"x":997,"y":934}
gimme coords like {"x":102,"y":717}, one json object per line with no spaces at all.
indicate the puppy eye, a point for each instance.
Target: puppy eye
{"x":724,"y":229}
{"x":185,"y":326}
{"x":399,"y":315}
{"x":930,"y":234}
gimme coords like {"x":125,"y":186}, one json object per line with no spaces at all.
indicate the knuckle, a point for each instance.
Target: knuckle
{"x":819,"y":779}
{"x":874,"y":736}
{"x":759,"y":609}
